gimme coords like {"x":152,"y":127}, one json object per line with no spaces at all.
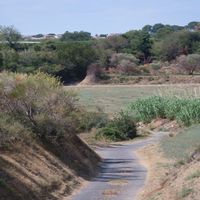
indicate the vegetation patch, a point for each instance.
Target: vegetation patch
{"x":154,"y":50}
{"x":193,"y":175}
{"x":185,"y":111}
{"x":41,"y":157}
{"x":121,"y":127}
{"x":182,"y":145}
{"x":185,"y":192}
{"x":89,"y":120}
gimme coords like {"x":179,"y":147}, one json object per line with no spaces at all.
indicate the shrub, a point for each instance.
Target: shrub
{"x":125,"y":63}
{"x":121,"y":127}
{"x":39,"y":103}
{"x":30,"y":61}
{"x":89,"y":120}
{"x":156,"y":65}
{"x":189,"y":63}
{"x":144,"y":69}
{"x":11,"y":130}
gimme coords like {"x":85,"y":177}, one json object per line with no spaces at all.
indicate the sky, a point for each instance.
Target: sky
{"x":97,"y":17}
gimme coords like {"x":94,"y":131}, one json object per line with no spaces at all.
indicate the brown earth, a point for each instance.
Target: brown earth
{"x":165,"y":181}
{"x":91,"y":76}
{"x":146,"y":80}
{"x":31,"y":171}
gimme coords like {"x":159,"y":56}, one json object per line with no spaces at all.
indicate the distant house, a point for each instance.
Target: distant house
{"x":58,"y":36}
{"x":50,"y":36}
{"x":38,"y":37}
{"x":42,"y":37}
{"x":101,"y":36}
{"x":53,"y":36}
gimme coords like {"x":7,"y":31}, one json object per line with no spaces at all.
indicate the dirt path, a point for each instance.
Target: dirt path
{"x":121,"y":175}
{"x":132,"y":85}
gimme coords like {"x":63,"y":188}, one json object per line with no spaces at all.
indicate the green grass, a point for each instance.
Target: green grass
{"x":185,"y":110}
{"x":184,"y":192}
{"x":112,"y":98}
{"x":194,"y":175}
{"x":182,"y":145}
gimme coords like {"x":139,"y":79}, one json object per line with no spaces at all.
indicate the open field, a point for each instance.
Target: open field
{"x":112,"y":98}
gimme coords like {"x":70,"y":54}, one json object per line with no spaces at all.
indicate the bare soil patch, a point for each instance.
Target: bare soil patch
{"x":34,"y":172}
{"x":169,"y":181}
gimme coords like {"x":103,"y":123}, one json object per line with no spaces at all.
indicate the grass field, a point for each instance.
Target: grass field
{"x":182,"y":145}
{"x":112,"y":98}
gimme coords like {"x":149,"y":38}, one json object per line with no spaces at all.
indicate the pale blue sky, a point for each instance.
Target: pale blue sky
{"x":100,"y":16}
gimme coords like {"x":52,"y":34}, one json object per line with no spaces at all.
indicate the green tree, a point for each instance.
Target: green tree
{"x":163,"y":32}
{"x":176,"y":44}
{"x":106,"y":47}
{"x":147,"y":28}
{"x":9,"y":59}
{"x":103,"y":51}
{"x":11,"y":36}
{"x":46,"y":61}
{"x":140,"y":44}
{"x":1,"y":61}
{"x":116,"y":43}
{"x":75,"y":57}
{"x":76,"y":36}
{"x":192,"y":25}
{"x":177,"y":28}
{"x":157,"y":27}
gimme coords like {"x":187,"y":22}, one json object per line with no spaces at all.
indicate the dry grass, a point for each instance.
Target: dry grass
{"x":157,"y":167}
{"x":175,"y":178}
{"x":181,"y":91}
{"x":166,"y":78}
{"x":33,"y":173}
{"x":165,"y":182}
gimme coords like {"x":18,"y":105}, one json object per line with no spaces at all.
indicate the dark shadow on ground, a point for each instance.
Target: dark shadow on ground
{"x":12,"y":188}
{"x":76,"y":155}
{"x":114,"y":169}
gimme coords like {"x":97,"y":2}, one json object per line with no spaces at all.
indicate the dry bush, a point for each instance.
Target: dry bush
{"x":11,"y":131}
{"x":189,"y":64}
{"x":125,"y":63}
{"x":38,"y":102}
{"x":170,"y":70}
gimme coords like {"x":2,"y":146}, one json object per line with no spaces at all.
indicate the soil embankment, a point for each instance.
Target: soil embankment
{"x":34,"y":171}
{"x":173,"y":167}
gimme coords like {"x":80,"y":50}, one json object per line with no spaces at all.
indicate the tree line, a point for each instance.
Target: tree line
{"x":70,"y":56}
